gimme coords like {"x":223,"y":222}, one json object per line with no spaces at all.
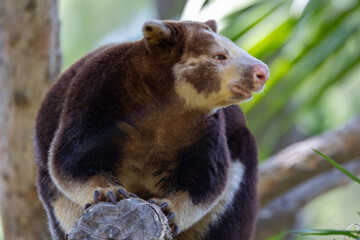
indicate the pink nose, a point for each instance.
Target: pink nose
{"x":260,"y":73}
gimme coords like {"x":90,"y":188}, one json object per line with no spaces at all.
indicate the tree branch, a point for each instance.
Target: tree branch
{"x":281,"y":213}
{"x":298,"y":163}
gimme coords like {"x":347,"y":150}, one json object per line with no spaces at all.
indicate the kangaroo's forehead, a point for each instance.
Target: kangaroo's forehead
{"x":205,"y":42}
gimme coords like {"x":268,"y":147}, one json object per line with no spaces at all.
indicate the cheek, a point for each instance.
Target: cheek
{"x":204,"y":83}
{"x":205,"y":78}
{"x":203,"y":75}
{"x":189,"y":94}
{"x":228,"y":73}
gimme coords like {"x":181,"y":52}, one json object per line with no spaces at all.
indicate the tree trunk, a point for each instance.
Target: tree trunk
{"x":29,"y":62}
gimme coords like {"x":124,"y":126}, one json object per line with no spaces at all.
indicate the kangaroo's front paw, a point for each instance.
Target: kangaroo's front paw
{"x":166,"y":208}
{"x":112,"y":195}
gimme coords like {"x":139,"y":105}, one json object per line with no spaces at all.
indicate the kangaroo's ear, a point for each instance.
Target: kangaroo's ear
{"x":212,"y":24}
{"x":156,"y":32}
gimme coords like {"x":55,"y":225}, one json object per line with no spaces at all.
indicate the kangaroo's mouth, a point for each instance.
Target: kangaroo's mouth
{"x":238,"y":90}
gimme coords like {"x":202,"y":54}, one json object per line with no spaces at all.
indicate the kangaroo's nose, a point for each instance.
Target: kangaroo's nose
{"x":260,"y":73}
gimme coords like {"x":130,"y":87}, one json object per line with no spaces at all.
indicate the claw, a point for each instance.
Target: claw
{"x":163,"y":205}
{"x":96,"y":196}
{"x":170,"y":216}
{"x":175,"y":230}
{"x":87,"y":206}
{"x":111,"y":197}
{"x":123,"y":193}
{"x":151,"y":201}
{"x":133,"y":195}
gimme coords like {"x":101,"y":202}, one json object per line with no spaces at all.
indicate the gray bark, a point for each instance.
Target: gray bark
{"x":131,"y":218}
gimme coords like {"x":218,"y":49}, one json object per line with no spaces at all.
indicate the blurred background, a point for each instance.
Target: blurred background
{"x":312,"y":50}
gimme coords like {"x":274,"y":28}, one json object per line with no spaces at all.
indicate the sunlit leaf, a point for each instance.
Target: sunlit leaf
{"x":243,"y":20}
{"x":325,"y":232}
{"x":338,"y":166}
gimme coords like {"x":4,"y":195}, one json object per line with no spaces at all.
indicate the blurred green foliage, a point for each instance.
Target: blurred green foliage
{"x":334,"y":210}
{"x":85,"y":23}
{"x":312,"y":49}
{"x":352,"y":231}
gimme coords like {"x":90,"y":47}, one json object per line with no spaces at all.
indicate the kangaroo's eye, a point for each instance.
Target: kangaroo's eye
{"x":220,"y":57}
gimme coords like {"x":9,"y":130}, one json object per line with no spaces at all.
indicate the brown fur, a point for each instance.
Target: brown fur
{"x":206,"y":71}
{"x":140,"y":116}
{"x":67,"y":212}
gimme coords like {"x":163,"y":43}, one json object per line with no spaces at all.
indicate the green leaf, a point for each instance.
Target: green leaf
{"x":205,"y":3}
{"x":277,"y":236}
{"x":246,"y":19}
{"x":338,"y":166}
{"x":325,"y":232}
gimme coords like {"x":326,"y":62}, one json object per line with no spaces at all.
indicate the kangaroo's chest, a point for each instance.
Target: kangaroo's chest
{"x":149,"y":155}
